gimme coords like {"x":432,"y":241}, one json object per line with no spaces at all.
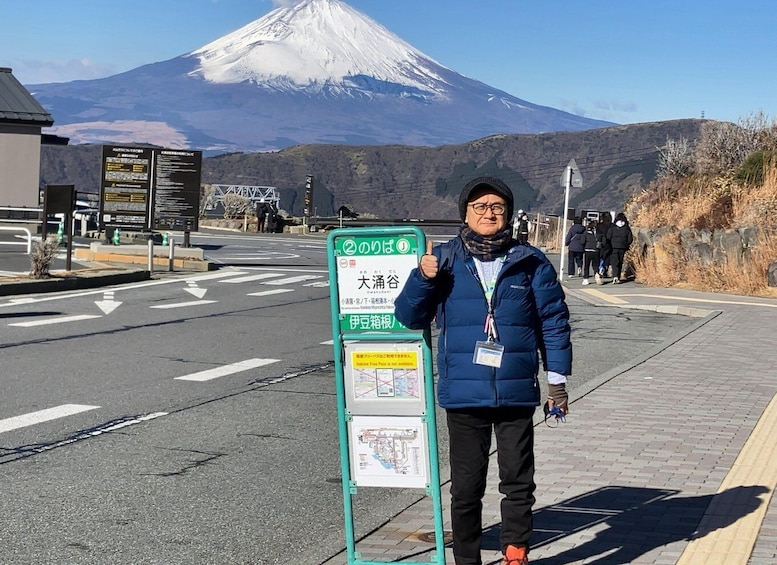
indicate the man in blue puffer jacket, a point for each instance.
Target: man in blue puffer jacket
{"x":499,"y":307}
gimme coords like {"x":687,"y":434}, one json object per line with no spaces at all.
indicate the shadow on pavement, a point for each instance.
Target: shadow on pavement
{"x":629,"y":521}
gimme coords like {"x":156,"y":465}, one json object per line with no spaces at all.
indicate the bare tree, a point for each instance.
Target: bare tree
{"x":235,"y":206}
{"x":675,"y":159}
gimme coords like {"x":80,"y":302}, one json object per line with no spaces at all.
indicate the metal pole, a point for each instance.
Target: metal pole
{"x":171,"y":255}
{"x":150,"y":255}
{"x":537,"y":230}
{"x":564,"y":225}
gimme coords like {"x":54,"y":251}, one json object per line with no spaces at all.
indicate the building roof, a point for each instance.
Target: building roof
{"x":17,"y":105}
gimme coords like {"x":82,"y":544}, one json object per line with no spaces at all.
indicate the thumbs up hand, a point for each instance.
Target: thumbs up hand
{"x":428,"y":264}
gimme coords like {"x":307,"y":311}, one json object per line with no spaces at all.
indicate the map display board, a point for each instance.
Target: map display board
{"x":383,"y":378}
{"x":371,"y":272}
{"x":389,"y":452}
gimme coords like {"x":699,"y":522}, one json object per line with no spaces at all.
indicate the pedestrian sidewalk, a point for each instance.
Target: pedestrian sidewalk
{"x":670,"y":459}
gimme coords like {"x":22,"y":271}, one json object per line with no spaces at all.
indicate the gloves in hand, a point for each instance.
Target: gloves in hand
{"x":559,"y":395}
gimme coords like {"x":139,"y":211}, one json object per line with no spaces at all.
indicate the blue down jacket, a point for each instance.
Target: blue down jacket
{"x":531,"y":316}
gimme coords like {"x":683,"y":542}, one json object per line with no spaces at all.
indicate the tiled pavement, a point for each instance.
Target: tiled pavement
{"x":654,"y":454}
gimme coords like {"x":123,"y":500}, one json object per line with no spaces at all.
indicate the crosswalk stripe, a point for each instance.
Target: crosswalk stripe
{"x":40,"y":416}
{"x":182,"y":304}
{"x":230,"y":369}
{"x":270,"y":292}
{"x":57,"y":320}
{"x":292,"y":280}
{"x":250,"y":278}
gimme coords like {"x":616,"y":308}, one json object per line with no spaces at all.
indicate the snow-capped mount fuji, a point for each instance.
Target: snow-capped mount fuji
{"x":315,"y":46}
{"x":316,"y":72}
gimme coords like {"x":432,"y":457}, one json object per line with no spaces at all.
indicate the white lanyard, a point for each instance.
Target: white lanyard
{"x":489,"y":285}
{"x":494,"y":266}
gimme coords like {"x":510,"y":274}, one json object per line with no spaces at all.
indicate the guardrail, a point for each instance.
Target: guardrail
{"x":25,"y":230}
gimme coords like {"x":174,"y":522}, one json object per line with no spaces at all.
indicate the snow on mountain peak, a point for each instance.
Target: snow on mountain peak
{"x":315,"y":43}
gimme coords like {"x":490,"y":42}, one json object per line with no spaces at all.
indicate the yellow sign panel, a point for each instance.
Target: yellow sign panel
{"x":379,"y":359}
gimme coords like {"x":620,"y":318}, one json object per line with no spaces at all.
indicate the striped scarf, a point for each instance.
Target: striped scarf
{"x":486,"y":248}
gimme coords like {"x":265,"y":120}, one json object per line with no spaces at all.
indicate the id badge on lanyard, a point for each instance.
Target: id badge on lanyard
{"x":488,"y":352}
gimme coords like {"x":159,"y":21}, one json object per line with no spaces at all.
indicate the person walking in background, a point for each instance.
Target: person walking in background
{"x":261,"y":216}
{"x":620,"y":239}
{"x":591,"y":246}
{"x":522,"y":223}
{"x":574,"y":243}
{"x":604,"y":223}
{"x":499,"y":306}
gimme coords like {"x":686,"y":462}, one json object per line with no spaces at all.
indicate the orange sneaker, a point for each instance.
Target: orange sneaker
{"x":515,"y":555}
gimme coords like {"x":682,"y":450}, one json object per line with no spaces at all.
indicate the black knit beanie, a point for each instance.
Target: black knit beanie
{"x":485,"y":183}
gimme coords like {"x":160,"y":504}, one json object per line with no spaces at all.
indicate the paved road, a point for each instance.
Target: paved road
{"x":242,"y":468}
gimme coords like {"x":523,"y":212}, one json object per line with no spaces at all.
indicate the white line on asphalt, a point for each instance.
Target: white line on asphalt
{"x":292,"y":280}
{"x":182,"y":304}
{"x":250,"y":278}
{"x":227,"y":370}
{"x":66,"y":296}
{"x":327,"y":342}
{"x":270,"y":292}
{"x":58,"y":320}
{"x":217,"y":275}
{"x":43,"y":416}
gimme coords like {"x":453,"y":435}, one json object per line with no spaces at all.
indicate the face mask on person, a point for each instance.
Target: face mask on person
{"x":620,"y":223}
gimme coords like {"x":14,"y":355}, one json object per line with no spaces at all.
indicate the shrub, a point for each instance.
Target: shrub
{"x":43,"y":253}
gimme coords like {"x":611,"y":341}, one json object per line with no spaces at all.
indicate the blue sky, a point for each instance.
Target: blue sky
{"x":625,"y":61}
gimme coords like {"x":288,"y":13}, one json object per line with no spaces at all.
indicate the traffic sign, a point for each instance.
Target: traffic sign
{"x":577,"y":178}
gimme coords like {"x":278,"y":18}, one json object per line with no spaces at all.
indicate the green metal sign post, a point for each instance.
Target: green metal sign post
{"x":384,"y":373}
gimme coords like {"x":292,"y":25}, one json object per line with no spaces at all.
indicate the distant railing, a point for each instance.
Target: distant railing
{"x":20,"y":229}
{"x":20,"y":215}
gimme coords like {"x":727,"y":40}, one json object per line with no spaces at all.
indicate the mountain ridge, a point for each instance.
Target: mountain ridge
{"x":398,"y":181}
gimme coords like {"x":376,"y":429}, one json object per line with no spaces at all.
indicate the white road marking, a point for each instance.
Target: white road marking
{"x":57,"y":320}
{"x":217,"y":275}
{"x":230,"y":369}
{"x":292,"y":280}
{"x":327,"y":342}
{"x":107,"y":304}
{"x":192,"y":288}
{"x":43,"y":416}
{"x":182,"y":304}
{"x":270,"y":292}
{"x":318,"y":284}
{"x":251,"y":278}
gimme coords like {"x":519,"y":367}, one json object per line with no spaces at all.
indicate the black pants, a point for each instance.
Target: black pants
{"x":616,"y":260}
{"x":470,"y":444}
{"x":590,"y":263}
{"x":575,"y":261}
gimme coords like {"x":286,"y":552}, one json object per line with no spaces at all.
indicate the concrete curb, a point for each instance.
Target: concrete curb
{"x":74,"y":281}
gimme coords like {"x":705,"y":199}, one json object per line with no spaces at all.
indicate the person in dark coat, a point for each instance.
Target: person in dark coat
{"x":262,"y":209}
{"x":574,"y":243}
{"x":605,"y":221}
{"x":522,"y":226}
{"x":591,"y":245}
{"x":500,"y":307}
{"x":620,"y":238}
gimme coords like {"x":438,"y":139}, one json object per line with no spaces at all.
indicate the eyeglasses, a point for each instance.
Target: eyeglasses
{"x":497,"y":209}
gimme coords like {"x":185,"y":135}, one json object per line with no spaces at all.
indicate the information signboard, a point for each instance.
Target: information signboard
{"x":126,"y":187}
{"x":389,"y":452}
{"x":383,"y":372}
{"x":177,"y":189}
{"x":370,"y":275}
{"x":144,"y":188}
{"x":384,"y":378}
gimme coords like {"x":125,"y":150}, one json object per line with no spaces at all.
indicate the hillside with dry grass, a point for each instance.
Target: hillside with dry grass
{"x":723,"y":185}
